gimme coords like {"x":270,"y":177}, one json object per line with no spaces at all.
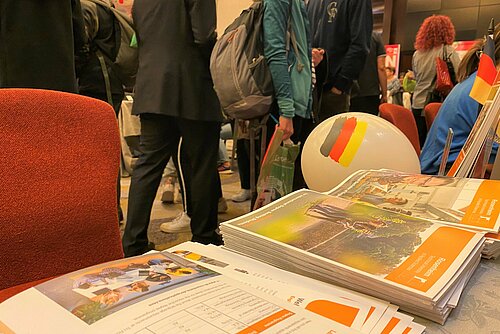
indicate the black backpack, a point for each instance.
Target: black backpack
{"x":126,"y":62}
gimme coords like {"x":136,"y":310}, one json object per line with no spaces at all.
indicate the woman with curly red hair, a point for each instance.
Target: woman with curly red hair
{"x":459,"y":112}
{"x":434,"y":39}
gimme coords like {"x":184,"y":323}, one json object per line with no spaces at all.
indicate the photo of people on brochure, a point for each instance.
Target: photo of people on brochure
{"x":200,"y":258}
{"x":423,"y":196}
{"x":357,"y":235}
{"x":99,"y":291}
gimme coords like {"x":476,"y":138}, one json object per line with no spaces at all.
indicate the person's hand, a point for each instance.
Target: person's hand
{"x":285,"y":124}
{"x":336,"y":91}
{"x":384,"y":98}
{"x":317,"y":56}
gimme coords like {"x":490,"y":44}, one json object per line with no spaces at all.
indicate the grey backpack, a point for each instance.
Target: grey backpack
{"x":240,"y":73}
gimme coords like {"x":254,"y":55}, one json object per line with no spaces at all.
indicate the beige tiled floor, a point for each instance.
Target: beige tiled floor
{"x":165,"y":212}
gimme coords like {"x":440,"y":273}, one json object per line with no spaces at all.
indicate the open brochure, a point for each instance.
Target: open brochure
{"x":344,"y":306}
{"x":155,"y":293}
{"x":415,"y":263}
{"x":471,"y":203}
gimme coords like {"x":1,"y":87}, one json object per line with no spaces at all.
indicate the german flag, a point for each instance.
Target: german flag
{"x":486,"y":73}
{"x":343,"y":140}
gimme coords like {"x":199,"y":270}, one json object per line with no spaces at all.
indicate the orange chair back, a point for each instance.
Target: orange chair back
{"x":403,"y":119}
{"x":430,"y":112}
{"x":59,"y":162}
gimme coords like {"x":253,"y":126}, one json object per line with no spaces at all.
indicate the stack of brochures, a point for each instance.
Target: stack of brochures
{"x":491,"y":248}
{"x":462,"y":202}
{"x":418,"y":264}
{"x":162,"y":293}
{"x":354,"y":310}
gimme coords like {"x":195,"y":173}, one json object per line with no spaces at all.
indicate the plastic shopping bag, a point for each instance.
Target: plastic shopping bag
{"x":276,"y":173}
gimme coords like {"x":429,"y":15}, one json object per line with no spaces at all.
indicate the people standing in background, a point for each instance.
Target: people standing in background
{"x":401,"y":78}
{"x":175,"y":98}
{"x":291,"y":70}
{"x":409,"y":84}
{"x":103,"y":37}
{"x":459,"y":111}
{"x":372,"y":82}
{"x":343,"y":29}
{"x":434,"y":39}
{"x":39,"y":41}
{"x":97,"y":77}
{"x":394,"y":89}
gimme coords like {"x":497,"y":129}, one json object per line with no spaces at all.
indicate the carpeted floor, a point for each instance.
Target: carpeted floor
{"x":165,"y":212}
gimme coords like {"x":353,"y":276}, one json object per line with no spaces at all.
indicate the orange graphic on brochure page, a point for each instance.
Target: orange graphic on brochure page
{"x":342,"y":314}
{"x":390,"y":326}
{"x":267,"y":322}
{"x":4,"y":329}
{"x":372,"y":309}
{"x":432,"y":259}
{"x":484,"y":209}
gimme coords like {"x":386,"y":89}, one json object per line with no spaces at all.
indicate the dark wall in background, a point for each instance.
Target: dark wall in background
{"x":403,"y":18}
{"x":470,"y":17}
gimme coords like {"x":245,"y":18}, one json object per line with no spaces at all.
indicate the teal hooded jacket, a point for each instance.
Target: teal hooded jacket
{"x":291,"y":67}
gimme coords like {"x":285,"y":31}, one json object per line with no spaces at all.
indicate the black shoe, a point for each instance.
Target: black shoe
{"x":137,"y":252}
{"x":120,"y":215}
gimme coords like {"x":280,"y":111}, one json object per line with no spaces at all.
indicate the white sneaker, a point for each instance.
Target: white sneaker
{"x":181,"y":223}
{"x":222,"y":205}
{"x":242,"y":196}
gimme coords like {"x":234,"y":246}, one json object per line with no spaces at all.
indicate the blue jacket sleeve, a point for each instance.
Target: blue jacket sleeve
{"x":360,"y":27}
{"x":275,"y":29}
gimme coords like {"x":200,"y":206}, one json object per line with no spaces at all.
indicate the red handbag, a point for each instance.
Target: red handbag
{"x":444,"y":83}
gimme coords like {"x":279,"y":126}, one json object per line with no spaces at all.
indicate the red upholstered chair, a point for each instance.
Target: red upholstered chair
{"x":59,"y":162}
{"x":430,"y":112}
{"x":403,"y":119}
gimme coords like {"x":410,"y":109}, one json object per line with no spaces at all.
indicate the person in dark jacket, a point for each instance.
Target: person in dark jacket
{"x":343,"y":29}
{"x":38,"y":43}
{"x":103,"y":41}
{"x":372,"y":81}
{"x":174,"y":97}
{"x":103,"y":38}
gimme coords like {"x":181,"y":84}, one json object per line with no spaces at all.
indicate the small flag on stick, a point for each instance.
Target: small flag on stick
{"x":486,"y":72}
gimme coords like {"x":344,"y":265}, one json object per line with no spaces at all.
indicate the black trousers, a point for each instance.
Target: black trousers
{"x":368,"y":104}
{"x":301,"y":129}
{"x":243,"y":149}
{"x":421,"y":125}
{"x":160,"y":136}
{"x":333,"y":104}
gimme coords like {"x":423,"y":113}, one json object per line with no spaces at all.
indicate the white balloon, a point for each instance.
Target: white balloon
{"x":382,"y":145}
